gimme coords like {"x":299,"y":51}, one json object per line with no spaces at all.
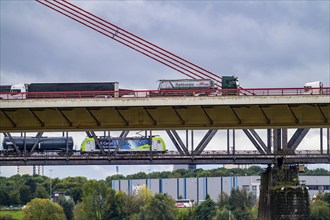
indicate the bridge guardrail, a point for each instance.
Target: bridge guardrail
{"x":166,"y":93}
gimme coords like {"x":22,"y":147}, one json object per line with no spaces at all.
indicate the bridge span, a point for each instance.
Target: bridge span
{"x":264,"y":110}
{"x":170,"y":158}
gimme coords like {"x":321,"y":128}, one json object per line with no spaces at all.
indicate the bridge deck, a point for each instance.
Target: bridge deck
{"x":165,"y":113}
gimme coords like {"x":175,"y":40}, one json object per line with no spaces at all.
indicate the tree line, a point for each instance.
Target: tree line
{"x":20,"y":189}
{"x":218,"y":172}
{"x":97,"y":200}
{"x":100,"y":202}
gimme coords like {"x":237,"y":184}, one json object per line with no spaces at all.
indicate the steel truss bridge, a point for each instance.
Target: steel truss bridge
{"x":275,"y":110}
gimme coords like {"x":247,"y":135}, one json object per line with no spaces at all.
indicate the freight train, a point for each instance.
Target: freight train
{"x":54,"y":144}
{"x":88,"y":145}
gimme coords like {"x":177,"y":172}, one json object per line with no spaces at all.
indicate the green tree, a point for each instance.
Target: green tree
{"x":68,"y":206}
{"x":240,"y":199}
{"x":76,"y":194}
{"x":30,"y":182}
{"x":14,"y":197}
{"x":185,"y":214}
{"x":111,"y":211}
{"x":109,"y":179}
{"x":316,"y":172}
{"x":224,"y":213}
{"x":79,"y":212}
{"x":94,"y":199}
{"x":220,"y":172}
{"x":206,"y":210}
{"x":25,"y":194}
{"x":41,"y":192}
{"x":43,"y":209}
{"x":223,"y":200}
{"x":254,"y":170}
{"x":119,"y":206}
{"x":320,"y":210}
{"x":325,"y":197}
{"x":204,"y":173}
{"x":240,"y":202}
{"x":4,"y":198}
{"x":139,"y":175}
{"x":161,"y":206}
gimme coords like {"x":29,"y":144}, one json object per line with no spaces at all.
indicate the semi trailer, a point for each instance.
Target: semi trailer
{"x":198,"y":87}
{"x":62,"y":90}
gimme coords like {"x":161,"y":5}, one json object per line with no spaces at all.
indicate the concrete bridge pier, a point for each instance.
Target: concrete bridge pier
{"x":281,"y":196}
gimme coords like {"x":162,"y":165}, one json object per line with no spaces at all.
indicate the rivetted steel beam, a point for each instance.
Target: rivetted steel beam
{"x":183,"y":146}
{"x":121,"y":116}
{"x":14,"y":144}
{"x":64,"y":117}
{"x":180,"y":146}
{"x":269,"y":139}
{"x":179,"y":116}
{"x":254,"y":141}
{"x":321,"y":112}
{"x":160,"y":159}
{"x":207,"y":115}
{"x":277,"y":138}
{"x":297,"y":137}
{"x":176,"y":145}
{"x":285,"y":139}
{"x":42,"y":124}
{"x":97,"y":142}
{"x":154,"y":122}
{"x":204,"y":142}
{"x":321,"y":140}
{"x":264,"y":114}
{"x":93,"y":116}
{"x":9,"y":119}
{"x":38,"y":136}
{"x":293,"y":115}
{"x":328,"y":141}
{"x":236,"y":116}
{"x":89,"y":134}
{"x":260,"y":141}
{"x":122,"y":136}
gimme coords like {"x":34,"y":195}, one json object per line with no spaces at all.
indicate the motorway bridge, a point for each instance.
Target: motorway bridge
{"x":274,"y":110}
{"x":266,"y":108}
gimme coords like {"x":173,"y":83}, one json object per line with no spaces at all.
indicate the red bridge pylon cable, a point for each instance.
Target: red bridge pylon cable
{"x":110,"y":36}
{"x":114,"y":32}
{"x":143,"y":40}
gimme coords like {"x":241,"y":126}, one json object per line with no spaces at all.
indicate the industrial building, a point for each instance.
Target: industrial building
{"x":198,"y":188}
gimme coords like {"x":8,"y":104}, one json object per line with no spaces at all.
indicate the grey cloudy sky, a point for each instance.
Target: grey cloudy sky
{"x":264,"y":43}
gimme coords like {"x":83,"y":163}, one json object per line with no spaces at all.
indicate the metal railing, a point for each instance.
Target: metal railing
{"x":166,"y":93}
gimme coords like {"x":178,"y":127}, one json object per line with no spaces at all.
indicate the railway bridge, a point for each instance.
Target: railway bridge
{"x":274,"y":110}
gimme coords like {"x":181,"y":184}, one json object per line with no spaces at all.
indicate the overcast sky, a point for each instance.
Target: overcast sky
{"x":264,"y":43}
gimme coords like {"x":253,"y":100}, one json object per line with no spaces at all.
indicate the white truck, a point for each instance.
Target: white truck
{"x":313,"y":87}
